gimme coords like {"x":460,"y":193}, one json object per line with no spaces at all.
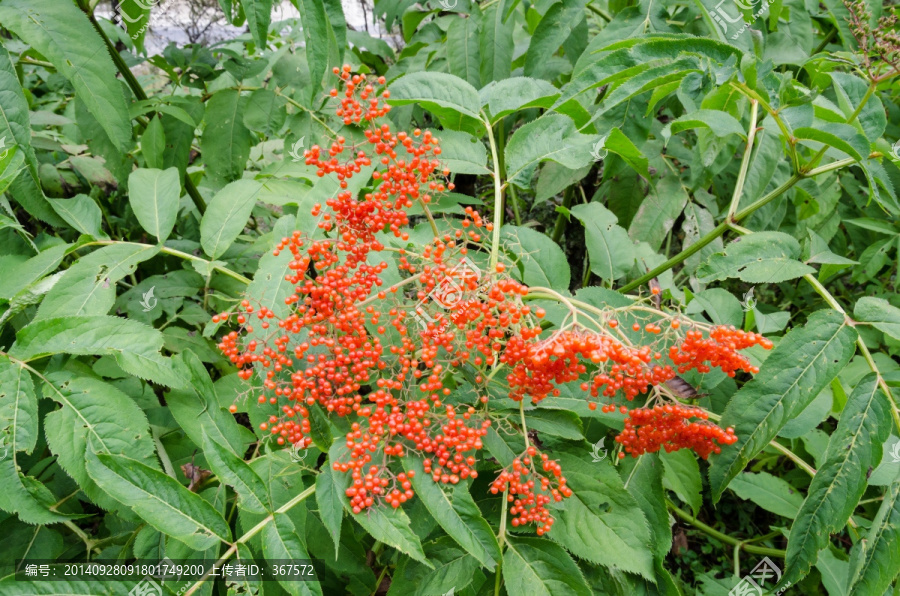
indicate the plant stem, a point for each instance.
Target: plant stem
{"x":250,"y":534}
{"x":175,"y":253}
{"x":745,"y":162}
{"x":712,"y":532}
{"x":562,"y":218}
{"x":498,"y":196}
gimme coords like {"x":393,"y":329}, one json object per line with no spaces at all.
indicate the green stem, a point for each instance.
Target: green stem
{"x":250,"y":534}
{"x":599,"y":12}
{"x":562,"y":218}
{"x":745,"y":162}
{"x":175,"y":253}
{"x":498,"y":196}
{"x":725,"y":538}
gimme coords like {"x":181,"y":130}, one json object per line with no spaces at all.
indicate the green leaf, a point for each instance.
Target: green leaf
{"x":135,"y":15}
{"x":880,"y":313}
{"x":328,"y":498}
{"x":462,"y":153}
{"x":226,"y":216}
{"x":158,"y":499}
{"x":763,"y":257}
{"x":769,"y":492}
{"x":537,"y":567}
{"x":601,"y":522}
{"x":456,"y":513}
{"x":384,"y":523}
{"x":154,"y":196}
{"x":556,"y":26}
{"x":454,"y":571}
{"x":451,"y":99}
{"x":611,"y":251}
{"x":551,"y":137}
{"x":226,"y":141}
{"x":49,"y":27}
{"x":21,"y":275}
{"x":21,"y":495}
{"x":621,"y":145}
{"x":835,"y":573}
{"x":232,"y":470}
{"x":463,"y":56}
{"x":658,"y":211}
{"x":324,"y":50}
{"x":496,"y":44}
{"x":197,"y":410}
{"x":541,"y":261}
{"x":720,"y":123}
{"x":853,"y":449}
{"x":645,"y":483}
{"x":517,"y":93}
{"x":875,"y":561}
{"x":92,"y":410}
{"x":135,"y":346}
{"x":280,"y":542}
{"x":681,"y":474}
{"x":89,"y":286}
{"x":840,"y":136}
{"x":802,"y":364}
{"x":259,"y":15}
{"x":80,"y":212}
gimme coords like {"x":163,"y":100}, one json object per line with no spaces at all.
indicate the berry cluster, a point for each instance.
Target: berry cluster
{"x":528,"y":497}
{"x":381,"y":354}
{"x":668,"y":427}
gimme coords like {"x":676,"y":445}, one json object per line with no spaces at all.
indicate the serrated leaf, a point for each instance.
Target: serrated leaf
{"x":769,"y":492}
{"x":92,"y":410}
{"x":616,"y":142}
{"x":135,"y":346}
{"x":883,"y":315}
{"x":463,"y":57}
{"x":80,"y":212}
{"x":259,"y":15}
{"x":154,"y":196}
{"x":232,"y":470}
{"x":875,"y":561}
{"x":383,"y":522}
{"x":601,"y":522}
{"x":158,"y":499}
{"x":840,"y":136}
{"x":49,"y":27}
{"x":720,"y":123}
{"x":88,"y":287}
{"x":542,"y":261}
{"x":554,"y":28}
{"x":537,"y":567}
{"x":517,"y":93}
{"x":21,"y":495}
{"x":496,"y":44}
{"x":645,"y":483}
{"x":197,"y":410}
{"x":456,"y":513}
{"x":226,"y":141}
{"x":658,"y":211}
{"x":763,"y":257}
{"x":611,"y":251}
{"x":853,"y":449}
{"x":328,"y":498}
{"x":227,"y":215}
{"x":682,"y":476}
{"x":802,"y":364}
{"x":451,"y":99}
{"x":551,"y":137}
{"x":280,"y":542}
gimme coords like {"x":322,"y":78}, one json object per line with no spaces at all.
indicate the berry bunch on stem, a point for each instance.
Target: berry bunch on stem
{"x":386,"y":355}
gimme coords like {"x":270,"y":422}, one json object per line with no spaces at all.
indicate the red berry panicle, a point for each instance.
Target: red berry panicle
{"x":347,"y":342}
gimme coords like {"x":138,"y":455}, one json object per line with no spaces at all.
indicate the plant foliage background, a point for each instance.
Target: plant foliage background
{"x":743,"y":163}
